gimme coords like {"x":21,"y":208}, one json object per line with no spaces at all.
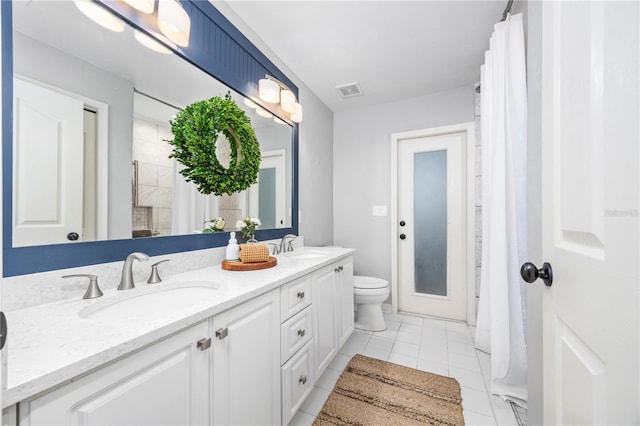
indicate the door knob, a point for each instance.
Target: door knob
{"x":73,"y":236}
{"x":403,"y":223}
{"x":402,"y":236}
{"x":529,"y":272}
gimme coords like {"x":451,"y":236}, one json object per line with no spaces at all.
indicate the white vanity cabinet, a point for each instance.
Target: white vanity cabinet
{"x":10,"y":416}
{"x":166,"y":383}
{"x":332,"y":288}
{"x":245,"y":379}
{"x":344,"y":285}
{"x":296,"y":345}
{"x":253,"y":361}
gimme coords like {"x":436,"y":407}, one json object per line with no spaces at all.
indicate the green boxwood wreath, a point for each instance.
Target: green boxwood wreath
{"x":196,"y":129}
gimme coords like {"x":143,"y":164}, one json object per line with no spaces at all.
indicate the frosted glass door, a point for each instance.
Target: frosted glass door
{"x":430,"y":217}
{"x":431,"y":226}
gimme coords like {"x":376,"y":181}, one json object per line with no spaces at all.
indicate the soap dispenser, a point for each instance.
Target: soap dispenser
{"x":233,"y":249}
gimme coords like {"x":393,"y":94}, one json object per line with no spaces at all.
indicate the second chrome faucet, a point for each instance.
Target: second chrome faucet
{"x":126,"y":282}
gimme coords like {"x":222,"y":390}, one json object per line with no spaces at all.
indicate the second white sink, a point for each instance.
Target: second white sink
{"x":306,"y":254}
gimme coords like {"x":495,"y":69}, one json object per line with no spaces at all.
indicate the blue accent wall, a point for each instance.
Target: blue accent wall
{"x":219,"y":49}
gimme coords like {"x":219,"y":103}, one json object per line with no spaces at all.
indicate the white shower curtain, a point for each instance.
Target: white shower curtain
{"x":500,"y":328}
{"x":190,"y":208}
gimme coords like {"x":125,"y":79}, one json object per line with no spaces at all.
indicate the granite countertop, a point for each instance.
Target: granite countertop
{"x":50,"y":344}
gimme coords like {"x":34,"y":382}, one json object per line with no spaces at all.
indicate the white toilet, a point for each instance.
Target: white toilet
{"x":369,"y":293}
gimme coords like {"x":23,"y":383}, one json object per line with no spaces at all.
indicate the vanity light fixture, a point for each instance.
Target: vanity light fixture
{"x":174,"y":22}
{"x":272,"y":90}
{"x":263,"y":112}
{"x":150,"y":42}
{"x":269,"y":90}
{"x":144,"y":6}
{"x":248,"y":102}
{"x":100,"y":15}
{"x":287,"y":101}
{"x":296,"y":115}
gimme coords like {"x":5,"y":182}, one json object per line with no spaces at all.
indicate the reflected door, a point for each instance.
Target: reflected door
{"x":431,"y":226}
{"x":48,"y":166}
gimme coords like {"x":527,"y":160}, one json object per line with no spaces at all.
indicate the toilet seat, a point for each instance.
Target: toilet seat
{"x":383,"y":291}
{"x":366,"y":283}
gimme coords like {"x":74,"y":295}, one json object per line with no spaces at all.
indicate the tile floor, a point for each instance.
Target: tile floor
{"x":438,"y":346}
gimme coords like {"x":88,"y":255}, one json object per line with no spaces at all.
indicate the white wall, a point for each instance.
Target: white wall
{"x":361,"y":168}
{"x":315,"y":148}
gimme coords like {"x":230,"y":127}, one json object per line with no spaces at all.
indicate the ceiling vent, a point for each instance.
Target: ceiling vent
{"x":349,"y":90}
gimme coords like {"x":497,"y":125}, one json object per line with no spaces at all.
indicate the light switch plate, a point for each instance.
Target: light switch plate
{"x":379,"y":210}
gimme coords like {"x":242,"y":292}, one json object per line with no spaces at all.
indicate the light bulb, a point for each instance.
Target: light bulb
{"x":145,"y":6}
{"x":248,"y":102}
{"x":100,"y":15}
{"x":263,"y":112}
{"x":174,"y":22}
{"x":269,"y":91}
{"x":150,"y":42}
{"x":296,"y":115}
{"x":287,"y":101}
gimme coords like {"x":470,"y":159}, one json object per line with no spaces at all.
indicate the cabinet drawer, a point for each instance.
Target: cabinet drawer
{"x":297,"y":381}
{"x":294,"y":333}
{"x":296,"y":296}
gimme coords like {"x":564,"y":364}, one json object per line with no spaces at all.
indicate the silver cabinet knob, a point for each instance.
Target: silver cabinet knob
{"x":302,"y":332}
{"x":303,"y":380}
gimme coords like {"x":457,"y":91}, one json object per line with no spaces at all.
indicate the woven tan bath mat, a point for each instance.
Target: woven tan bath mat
{"x":375,"y":392}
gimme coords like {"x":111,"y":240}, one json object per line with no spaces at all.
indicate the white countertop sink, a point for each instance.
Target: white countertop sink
{"x":306,"y":254}
{"x":154,"y":302}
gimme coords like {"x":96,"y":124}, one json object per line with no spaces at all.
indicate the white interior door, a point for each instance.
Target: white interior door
{"x":432,"y":226}
{"x":590,"y":191}
{"x":47,"y":195}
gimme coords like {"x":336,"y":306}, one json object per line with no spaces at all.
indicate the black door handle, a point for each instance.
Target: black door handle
{"x":403,"y":223}
{"x":402,"y":236}
{"x":529,"y":272}
{"x":73,"y":236}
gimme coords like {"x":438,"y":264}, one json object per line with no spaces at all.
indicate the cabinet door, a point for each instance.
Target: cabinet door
{"x":297,"y":381}
{"x":345,"y":291}
{"x":246,"y":363}
{"x":167,"y":383}
{"x":325,"y":318}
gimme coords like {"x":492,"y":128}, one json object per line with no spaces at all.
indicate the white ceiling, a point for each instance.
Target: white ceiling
{"x":394,"y":49}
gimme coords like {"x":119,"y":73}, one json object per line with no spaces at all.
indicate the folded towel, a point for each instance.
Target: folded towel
{"x":254,"y":253}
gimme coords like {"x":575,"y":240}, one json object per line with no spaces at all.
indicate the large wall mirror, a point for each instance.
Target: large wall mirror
{"x":91,"y":171}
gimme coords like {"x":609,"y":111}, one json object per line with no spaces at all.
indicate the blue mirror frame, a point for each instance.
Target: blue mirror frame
{"x":243,"y":67}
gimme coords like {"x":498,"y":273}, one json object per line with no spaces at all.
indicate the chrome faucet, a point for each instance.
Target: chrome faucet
{"x":126,"y":282}
{"x":283,"y":243}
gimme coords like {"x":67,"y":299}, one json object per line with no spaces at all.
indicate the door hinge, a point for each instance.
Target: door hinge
{"x":222,"y":333}
{"x":204,"y":344}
